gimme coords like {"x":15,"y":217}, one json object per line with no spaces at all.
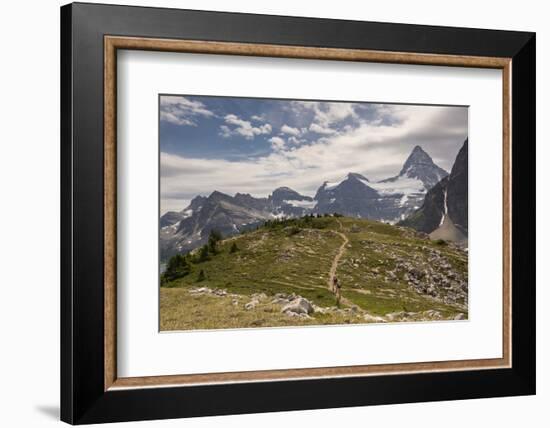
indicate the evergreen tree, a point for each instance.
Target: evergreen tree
{"x":177,"y":267}
{"x":213,"y":238}
{"x":201,"y":276}
{"x":216,"y":235}
{"x":233,"y":248}
{"x":203,"y":254}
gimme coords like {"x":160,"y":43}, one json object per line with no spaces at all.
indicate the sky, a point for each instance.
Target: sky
{"x":254,"y":145}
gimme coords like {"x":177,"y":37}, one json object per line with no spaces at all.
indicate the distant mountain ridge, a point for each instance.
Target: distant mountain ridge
{"x":388,"y":200}
{"x":391,"y":199}
{"x":189,"y":228}
{"x":352,"y":197}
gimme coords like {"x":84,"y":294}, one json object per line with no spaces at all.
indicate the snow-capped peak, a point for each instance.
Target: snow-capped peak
{"x":357,"y":176}
{"x":419,"y":165}
{"x":417,"y":157}
{"x":353,"y":176}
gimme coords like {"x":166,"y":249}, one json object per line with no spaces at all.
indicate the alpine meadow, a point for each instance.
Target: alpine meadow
{"x":278,"y":212}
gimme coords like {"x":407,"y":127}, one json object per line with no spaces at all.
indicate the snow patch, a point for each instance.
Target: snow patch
{"x":301,"y":204}
{"x":444,"y":208}
{"x":403,"y":186}
{"x":365,"y":182}
{"x":171,"y":227}
{"x":330,"y":186}
{"x":187,"y":213}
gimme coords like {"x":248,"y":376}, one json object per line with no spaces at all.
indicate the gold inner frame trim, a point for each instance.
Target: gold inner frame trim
{"x":113,"y":43}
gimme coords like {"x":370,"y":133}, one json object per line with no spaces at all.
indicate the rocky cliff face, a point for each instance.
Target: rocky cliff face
{"x":288,"y":203}
{"x":448,"y":199}
{"x":457,"y":190}
{"x":352,"y":197}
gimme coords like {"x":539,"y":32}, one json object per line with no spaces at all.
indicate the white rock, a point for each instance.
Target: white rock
{"x":279,"y":301}
{"x":259,"y":296}
{"x":320,"y":310}
{"x":299,"y":306}
{"x":373,"y":318}
{"x":432,"y":313}
{"x":395,"y":316}
{"x":251,"y":305}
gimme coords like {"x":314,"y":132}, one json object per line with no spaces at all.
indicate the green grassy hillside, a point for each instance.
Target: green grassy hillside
{"x":387,"y":273}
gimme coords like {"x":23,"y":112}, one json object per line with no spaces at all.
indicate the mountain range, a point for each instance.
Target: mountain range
{"x":398,"y":198}
{"x":388,"y":200}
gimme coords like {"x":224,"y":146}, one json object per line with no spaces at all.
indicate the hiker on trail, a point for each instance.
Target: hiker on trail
{"x":337,"y":290}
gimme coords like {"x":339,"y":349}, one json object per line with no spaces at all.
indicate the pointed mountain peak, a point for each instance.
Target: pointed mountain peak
{"x":357,"y":176}
{"x":196,"y":203}
{"x":283,"y":189}
{"x":419,"y":165}
{"x":418,"y":157}
{"x":198,"y":199}
{"x":351,"y":177}
{"x":465,"y":145}
{"x":286,"y":193}
{"x":218,"y":196}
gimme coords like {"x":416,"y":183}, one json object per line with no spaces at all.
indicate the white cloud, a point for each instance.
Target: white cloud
{"x":327,"y":113}
{"x":182,"y":111}
{"x":375,"y":149}
{"x":295,"y":141}
{"x":265,"y":128}
{"x":335,"y":112}
{"x":225,"y":131}
{"x":242,"y":127}
{"x":285,"y":129}
{"x":277,"y":143}
{"x":315,"y":127}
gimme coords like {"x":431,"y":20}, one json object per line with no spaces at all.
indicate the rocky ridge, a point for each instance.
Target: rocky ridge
{"x":387,"y":200}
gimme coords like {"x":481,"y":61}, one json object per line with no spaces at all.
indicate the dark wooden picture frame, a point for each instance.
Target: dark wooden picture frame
{"x":90,"y":389}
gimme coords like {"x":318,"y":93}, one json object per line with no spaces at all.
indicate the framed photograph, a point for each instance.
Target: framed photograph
{"x":265,"y":213}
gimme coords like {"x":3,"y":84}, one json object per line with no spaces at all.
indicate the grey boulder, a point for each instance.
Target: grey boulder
{"x":298,"y":306}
